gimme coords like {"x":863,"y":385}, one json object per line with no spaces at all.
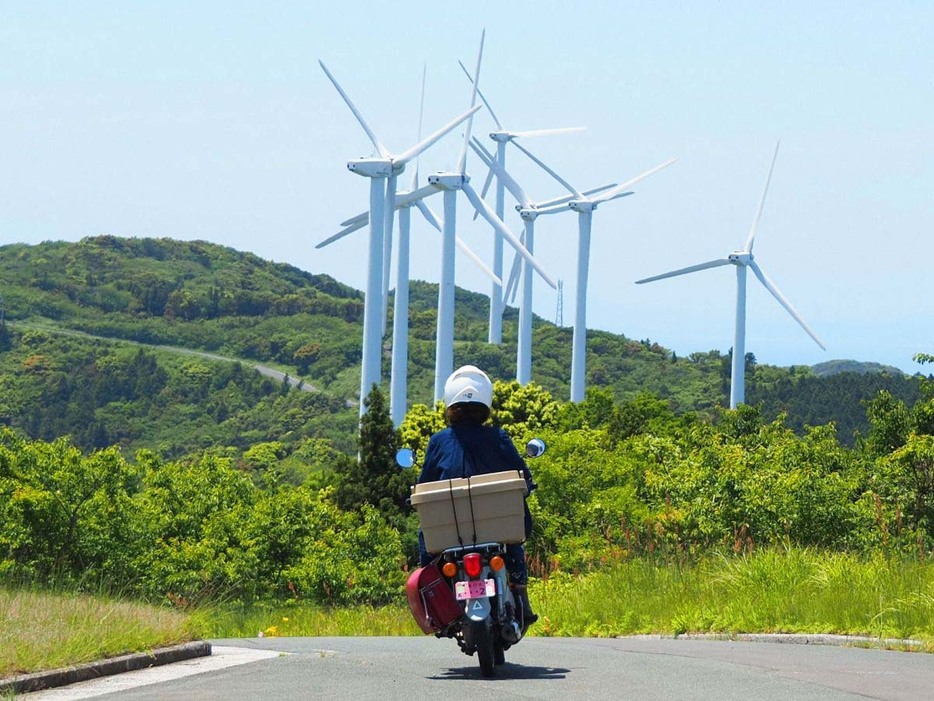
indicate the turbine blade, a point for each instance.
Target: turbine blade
{"x":491,"y":217}
{"x":568,"y":198}
{"x":488,"y":108}
{"x":407,"y":156}
{"x":421,"y":113}
{"x":429,"y":215}
{"x":544,"y":132}
{"x":477,"y":260}
{"x":413,"y":197}
{"x":366,"y":127}
{"x":611,"y":194}
{"x":364,"y":216}
{"x":344,"y":232}
{"x":755,"y":223}
{"x":770,"y":286}
{"x":486,"y":187}
{"x":684,"y":271}
{"x":558,"y":207}
{"x":462,"y":161}
{"x":512,"y":285}
{"x":548,"y":170}
{"x":400,"y":201}
{"x":501,"y":173}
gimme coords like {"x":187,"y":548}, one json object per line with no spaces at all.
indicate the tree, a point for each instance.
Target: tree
{"x":523,"y":409}
{"x":375,"y":478}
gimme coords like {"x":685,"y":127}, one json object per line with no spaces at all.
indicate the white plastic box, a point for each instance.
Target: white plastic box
{"x":481,"y":509}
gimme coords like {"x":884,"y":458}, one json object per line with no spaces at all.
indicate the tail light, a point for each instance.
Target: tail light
{"x":473,"y":565}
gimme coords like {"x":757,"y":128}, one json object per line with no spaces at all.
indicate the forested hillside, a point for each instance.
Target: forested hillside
{"x":202,"y":296}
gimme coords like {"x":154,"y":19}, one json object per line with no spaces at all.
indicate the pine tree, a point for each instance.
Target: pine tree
{"x":375,"y":478}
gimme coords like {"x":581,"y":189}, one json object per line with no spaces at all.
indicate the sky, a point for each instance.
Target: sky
{"x":214,"y":121}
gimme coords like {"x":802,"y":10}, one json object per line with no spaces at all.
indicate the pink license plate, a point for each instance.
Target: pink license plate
{"x":474,"y":589}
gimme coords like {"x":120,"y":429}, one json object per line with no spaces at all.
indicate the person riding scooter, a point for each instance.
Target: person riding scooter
{"x":469,"y":447}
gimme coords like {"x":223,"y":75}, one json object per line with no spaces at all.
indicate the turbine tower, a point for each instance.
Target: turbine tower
{"x":502,"y":137}
{"x":743,"y":259}
{"x":584,"y":204}
{"x":382,"y":171}
{"x":528,"y":212}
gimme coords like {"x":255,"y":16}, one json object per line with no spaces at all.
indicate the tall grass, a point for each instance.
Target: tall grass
{"x":308,"y":620}
{"x":773,"y":591}
{"x":41,"y":630}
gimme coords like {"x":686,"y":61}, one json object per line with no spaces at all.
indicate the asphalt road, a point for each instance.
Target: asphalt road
{"x":547,"y":668}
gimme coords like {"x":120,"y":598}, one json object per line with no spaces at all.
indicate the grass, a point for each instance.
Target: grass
{"x":774,"y":591}
{"x":309,"y":620}
{"x":41,"y":630}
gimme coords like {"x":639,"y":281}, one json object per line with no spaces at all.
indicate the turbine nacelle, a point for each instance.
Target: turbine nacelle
{"x":740,"y":257}
{"x":502,"y":137}
{"x":527,"y":213}
{"x":373,"y":167}
{"x":448,"y":181}
{"x":582,"y":206}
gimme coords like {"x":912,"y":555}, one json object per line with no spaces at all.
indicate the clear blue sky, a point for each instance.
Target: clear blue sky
{"x":213,"y":121}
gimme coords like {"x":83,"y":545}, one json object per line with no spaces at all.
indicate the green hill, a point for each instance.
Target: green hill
{"x":835,"y":367}
{"x":205,"y":297}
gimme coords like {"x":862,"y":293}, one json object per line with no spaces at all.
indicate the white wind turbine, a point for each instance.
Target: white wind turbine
{"x":743,"y":259}
{"x":398,"y":382}
{"x":584,"y":205}
{"x":528,"y":212}
{"x":502,"y":137}
{"x":382,"y":171}
{"x":450,"y":183}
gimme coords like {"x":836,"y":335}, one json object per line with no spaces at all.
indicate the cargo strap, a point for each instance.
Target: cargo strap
{"x":473,"y":520}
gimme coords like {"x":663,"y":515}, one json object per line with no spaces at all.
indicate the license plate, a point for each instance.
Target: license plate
{"x":474,"y":589}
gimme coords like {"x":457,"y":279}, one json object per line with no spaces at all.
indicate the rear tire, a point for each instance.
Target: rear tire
{"x":499,"y":656}
{"x":483,"y":642}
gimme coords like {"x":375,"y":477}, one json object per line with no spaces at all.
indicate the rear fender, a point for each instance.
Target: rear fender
{"x":477,"y":609}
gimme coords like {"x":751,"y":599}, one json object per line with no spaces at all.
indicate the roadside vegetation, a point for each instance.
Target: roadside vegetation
{"x":48,"y":630}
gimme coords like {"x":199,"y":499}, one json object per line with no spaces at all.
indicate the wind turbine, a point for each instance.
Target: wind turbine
{"x":450,"y":183}
{"x":528,"y":212}
{"x":743,"y":259}
{"x":502,"y":137}
{"x":382,"y":171}
{"x":398,"y":382}
{"x":584,"y":205}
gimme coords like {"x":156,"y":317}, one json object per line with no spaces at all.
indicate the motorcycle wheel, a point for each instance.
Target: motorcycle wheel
{"x":483,"y":642}
{"x":499,"y":655}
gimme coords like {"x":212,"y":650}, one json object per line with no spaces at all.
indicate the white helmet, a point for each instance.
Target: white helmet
{"x":468,"y":384}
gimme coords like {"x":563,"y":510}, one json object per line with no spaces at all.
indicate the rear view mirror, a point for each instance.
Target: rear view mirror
{"x":405,"y":457}
{"x":535,"y":447}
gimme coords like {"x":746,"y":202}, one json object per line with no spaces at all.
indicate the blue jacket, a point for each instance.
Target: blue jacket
{"x":466,"y":450}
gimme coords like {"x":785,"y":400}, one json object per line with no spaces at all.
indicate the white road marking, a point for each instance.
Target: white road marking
{"x":221,"y":657}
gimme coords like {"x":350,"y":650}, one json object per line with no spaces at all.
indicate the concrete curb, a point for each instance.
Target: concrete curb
{"x":799,"y":639}
{"x":103,"y":668}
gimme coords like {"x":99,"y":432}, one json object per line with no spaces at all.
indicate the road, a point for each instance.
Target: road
{"x":544,"y":668}
{"x":264,"y":370}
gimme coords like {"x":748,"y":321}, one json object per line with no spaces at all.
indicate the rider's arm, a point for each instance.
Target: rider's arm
{"x":514,"y":460}
{"x":430,"y":467}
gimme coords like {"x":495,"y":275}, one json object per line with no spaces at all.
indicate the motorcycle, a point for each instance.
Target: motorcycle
{"x":465,"y":593}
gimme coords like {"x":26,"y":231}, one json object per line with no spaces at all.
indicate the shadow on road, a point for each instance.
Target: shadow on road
{"x":504,"y":672}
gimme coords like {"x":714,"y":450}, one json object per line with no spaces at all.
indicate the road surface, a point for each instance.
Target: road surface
{"x":537,"y":668}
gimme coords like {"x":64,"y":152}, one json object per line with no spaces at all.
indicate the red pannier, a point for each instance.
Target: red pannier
{"x":431,"y":599}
